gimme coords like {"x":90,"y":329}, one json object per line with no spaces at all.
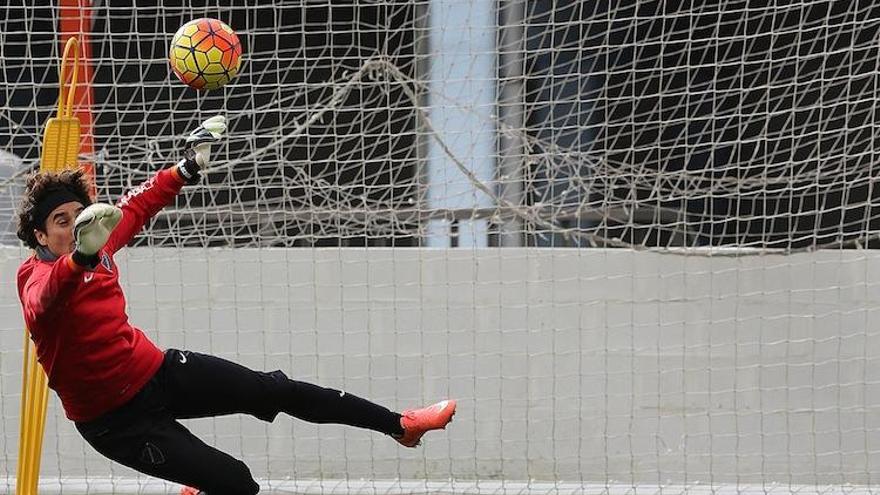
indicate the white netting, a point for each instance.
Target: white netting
{"x":639,"y":124}
{"x":738,"y":126}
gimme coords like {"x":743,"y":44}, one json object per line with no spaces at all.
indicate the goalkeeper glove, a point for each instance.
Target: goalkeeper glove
{"x":197,"y":153}
{"x":91,"y":229}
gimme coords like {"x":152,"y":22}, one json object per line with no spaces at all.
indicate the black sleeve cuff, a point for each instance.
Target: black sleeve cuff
{"x":89,"y":262}
{"x":189,"y":169}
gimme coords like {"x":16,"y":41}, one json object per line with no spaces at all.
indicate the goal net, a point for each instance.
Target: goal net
{"x":634,"y":239}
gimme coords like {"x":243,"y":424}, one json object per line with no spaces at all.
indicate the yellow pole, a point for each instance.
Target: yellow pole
{"x":60,"y":150}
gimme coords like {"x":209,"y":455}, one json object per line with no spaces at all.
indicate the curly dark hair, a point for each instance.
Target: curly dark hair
{"x":38,"y":186}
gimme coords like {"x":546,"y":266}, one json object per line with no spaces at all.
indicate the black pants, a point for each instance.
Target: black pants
{"x":144,"y":433}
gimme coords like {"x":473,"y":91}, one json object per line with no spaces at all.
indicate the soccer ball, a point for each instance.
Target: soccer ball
{"x":205,"y":53}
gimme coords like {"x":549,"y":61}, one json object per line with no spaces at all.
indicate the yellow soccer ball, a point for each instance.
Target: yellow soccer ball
{"x":205,"y":54}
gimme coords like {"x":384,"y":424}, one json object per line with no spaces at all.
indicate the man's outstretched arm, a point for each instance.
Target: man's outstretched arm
{"x":143,"y":202}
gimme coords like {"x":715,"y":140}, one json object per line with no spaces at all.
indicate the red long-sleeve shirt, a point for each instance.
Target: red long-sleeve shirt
{"x":94,"y":358}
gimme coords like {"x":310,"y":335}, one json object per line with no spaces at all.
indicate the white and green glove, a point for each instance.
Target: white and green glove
{"x":197,"y":154}
{"x":91,"y":229}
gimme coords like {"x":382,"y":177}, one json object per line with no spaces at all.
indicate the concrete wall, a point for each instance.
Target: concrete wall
{"x":576,"y":366}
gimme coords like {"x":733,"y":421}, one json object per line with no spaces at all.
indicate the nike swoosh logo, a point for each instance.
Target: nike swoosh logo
{"x":88,"y":278}
{"x":182,"y":358}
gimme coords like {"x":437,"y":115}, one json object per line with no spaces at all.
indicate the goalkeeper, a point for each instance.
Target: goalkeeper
{"x":124,"y":394}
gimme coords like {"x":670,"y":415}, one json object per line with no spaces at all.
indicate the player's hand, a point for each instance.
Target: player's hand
{"x":197,"y":154}
{"x":93,"y":226}
{"x":201,"y":139}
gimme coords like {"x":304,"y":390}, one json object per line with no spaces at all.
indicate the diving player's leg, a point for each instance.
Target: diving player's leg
{"x":199,"y":385}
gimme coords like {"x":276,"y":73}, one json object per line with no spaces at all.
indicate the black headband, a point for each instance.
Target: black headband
{"x":52,"y":200}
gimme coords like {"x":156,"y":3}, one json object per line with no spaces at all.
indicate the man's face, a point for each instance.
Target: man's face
{"x":58,"y":236}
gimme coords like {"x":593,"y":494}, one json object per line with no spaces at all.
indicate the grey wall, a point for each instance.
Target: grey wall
{"x":575,"y":366}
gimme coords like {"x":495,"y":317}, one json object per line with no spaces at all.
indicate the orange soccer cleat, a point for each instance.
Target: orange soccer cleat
{"x":188,"y":490}
{"x":417,"y":422}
